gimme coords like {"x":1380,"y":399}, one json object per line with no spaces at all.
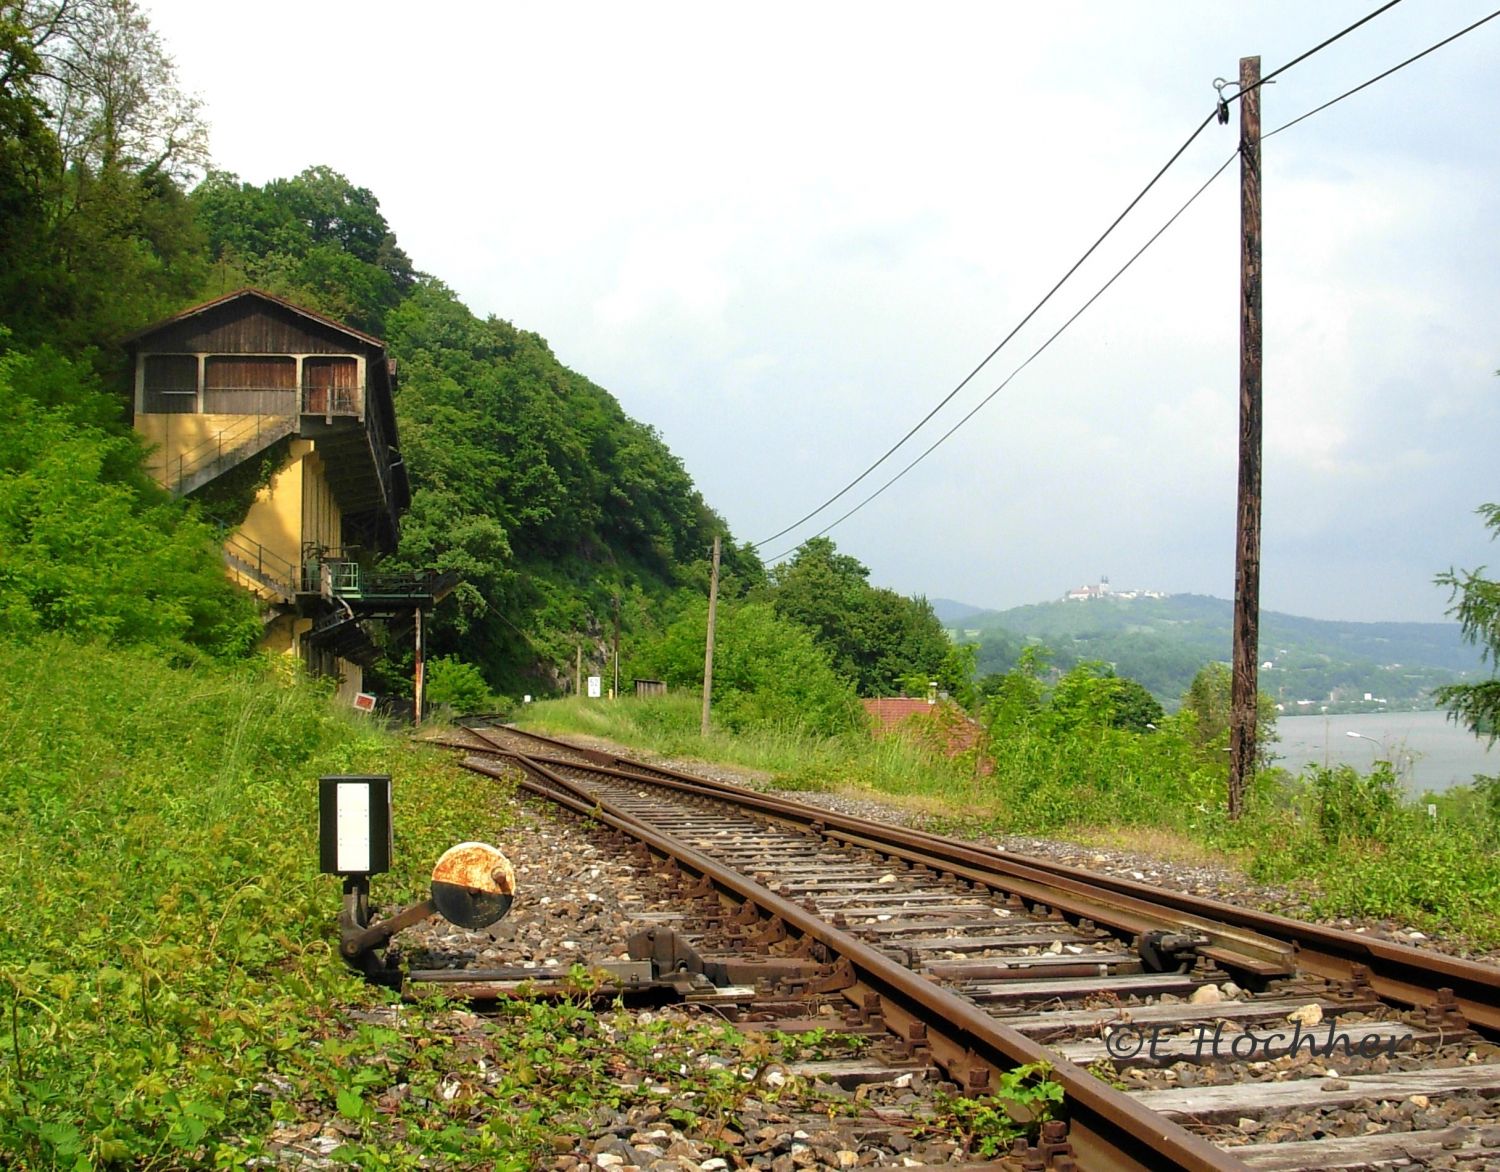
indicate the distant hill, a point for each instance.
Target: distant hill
{"x":1162,"y":642}
{"x":951,"y":613}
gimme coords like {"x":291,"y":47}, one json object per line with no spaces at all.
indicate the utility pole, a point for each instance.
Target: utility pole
{"x":578,"y":672}
{"x":708,"y":653}
{"x":617,"y":647}
{"x":1244,"y":689}
{"x":418,"y":674}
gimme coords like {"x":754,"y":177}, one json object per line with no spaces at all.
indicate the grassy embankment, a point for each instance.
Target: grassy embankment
{"x":169,"y":992}
{"x":1344,"y":843}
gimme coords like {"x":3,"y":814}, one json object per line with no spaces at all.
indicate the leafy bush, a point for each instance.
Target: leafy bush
{"x":768,"y":671}
{"x":459,"y":685}
{"x":1354,"y":805}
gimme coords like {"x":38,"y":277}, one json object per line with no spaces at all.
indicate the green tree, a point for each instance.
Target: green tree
{"x":767,"y":670}
{"x":316,"y":239}
{"x":451,"y":681}
{"x":1091,"y":695}
{"x":1135,"y":708}
{"x":100,"y":238}
{"x":1204,"y":716}
{"x":29,"y":161}
{"x":1476,"y":605}
{"x":1013,"y":700}
{"x":876,"y":638}
{"x":113,"y":93}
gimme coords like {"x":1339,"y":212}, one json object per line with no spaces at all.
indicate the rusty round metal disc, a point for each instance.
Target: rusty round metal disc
{"x":473,"y":885}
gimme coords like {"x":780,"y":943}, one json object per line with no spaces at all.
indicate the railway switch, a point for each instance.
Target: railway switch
{"x":473,"y":883}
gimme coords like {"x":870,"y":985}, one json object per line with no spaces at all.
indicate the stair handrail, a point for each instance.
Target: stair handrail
{"x":252,"y":553}
{"x":227,"y":439}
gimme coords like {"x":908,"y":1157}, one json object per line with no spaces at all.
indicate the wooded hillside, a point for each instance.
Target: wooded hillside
{"x":563,"y":516}
{"x":1164,"y":641}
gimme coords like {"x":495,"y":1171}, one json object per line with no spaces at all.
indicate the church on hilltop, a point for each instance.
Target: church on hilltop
{"x":1103,"y":590}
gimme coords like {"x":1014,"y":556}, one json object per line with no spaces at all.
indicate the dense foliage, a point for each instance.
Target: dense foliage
{"x":533,"y":483}
{"x":88,"y":543}
{"x":767,"y":669}
{"x":96,"y":236}
{"x":877,"y":639}
{"x":1477,"y":607}
{"x":315,"y":238}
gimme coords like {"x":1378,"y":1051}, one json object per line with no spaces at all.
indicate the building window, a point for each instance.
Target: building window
{"x":171,"y":384}
{"x":250,"y":384}
{"x":330,"y":386}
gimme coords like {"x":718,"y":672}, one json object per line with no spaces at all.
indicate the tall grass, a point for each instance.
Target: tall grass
{"x":794,"y":757}
{"x":165,"y":938}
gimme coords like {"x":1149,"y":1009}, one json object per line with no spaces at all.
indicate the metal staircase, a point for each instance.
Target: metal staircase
{"x":269,"y":574}
{"x":220,"y":452}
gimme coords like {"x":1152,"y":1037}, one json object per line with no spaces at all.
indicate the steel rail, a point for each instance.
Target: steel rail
{"x":1396,"y":972}
{"x":1108,"y":1129}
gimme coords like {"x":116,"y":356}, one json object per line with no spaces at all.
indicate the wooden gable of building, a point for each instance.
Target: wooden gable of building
{"x":252,"y":322}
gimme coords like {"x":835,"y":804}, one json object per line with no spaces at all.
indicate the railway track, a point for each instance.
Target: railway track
{"x":1186,"y":1033}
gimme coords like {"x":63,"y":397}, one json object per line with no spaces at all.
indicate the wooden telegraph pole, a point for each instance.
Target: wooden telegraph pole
{"x":616,"y":693}
{"x":1245,"y":686}
{"x":708,"y":652}
{"x":419,"y":673}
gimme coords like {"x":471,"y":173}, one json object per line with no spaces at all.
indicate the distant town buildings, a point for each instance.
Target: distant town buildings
{"x":1103,"y":590}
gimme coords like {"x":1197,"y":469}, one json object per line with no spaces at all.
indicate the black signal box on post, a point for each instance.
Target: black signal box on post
{"x":354,"y":824}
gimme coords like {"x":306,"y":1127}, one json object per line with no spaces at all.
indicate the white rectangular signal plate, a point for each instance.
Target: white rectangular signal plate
{"x":352,"y":802}
{"x":354,"y":824}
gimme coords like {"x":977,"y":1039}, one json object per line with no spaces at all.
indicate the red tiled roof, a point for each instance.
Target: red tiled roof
{"x":890,"y":712}
{"x":959,"y":732}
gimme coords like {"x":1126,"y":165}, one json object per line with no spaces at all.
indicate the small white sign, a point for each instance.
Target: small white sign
{"x":353,"y":827}
{"x":596,"y":687}
{"x":364,"y":701}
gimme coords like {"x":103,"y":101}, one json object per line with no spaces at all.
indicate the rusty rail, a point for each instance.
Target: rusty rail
{"x":1108,"y":1129}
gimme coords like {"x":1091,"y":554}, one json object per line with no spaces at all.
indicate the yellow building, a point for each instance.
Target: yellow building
{"x":287,"y":417}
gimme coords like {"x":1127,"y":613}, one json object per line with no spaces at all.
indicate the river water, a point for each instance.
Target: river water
{"x":1429,"y":751}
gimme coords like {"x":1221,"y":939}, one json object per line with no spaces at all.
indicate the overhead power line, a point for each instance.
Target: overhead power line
{"x":1035,"y":354}
{"x":1115,"y":223}
{"x":1382,"y":76}
{"x":1121,"y":271}
{"x":946,"y":399}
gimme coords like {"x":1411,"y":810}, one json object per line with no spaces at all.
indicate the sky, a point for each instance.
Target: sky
{"x":780,"y":234}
